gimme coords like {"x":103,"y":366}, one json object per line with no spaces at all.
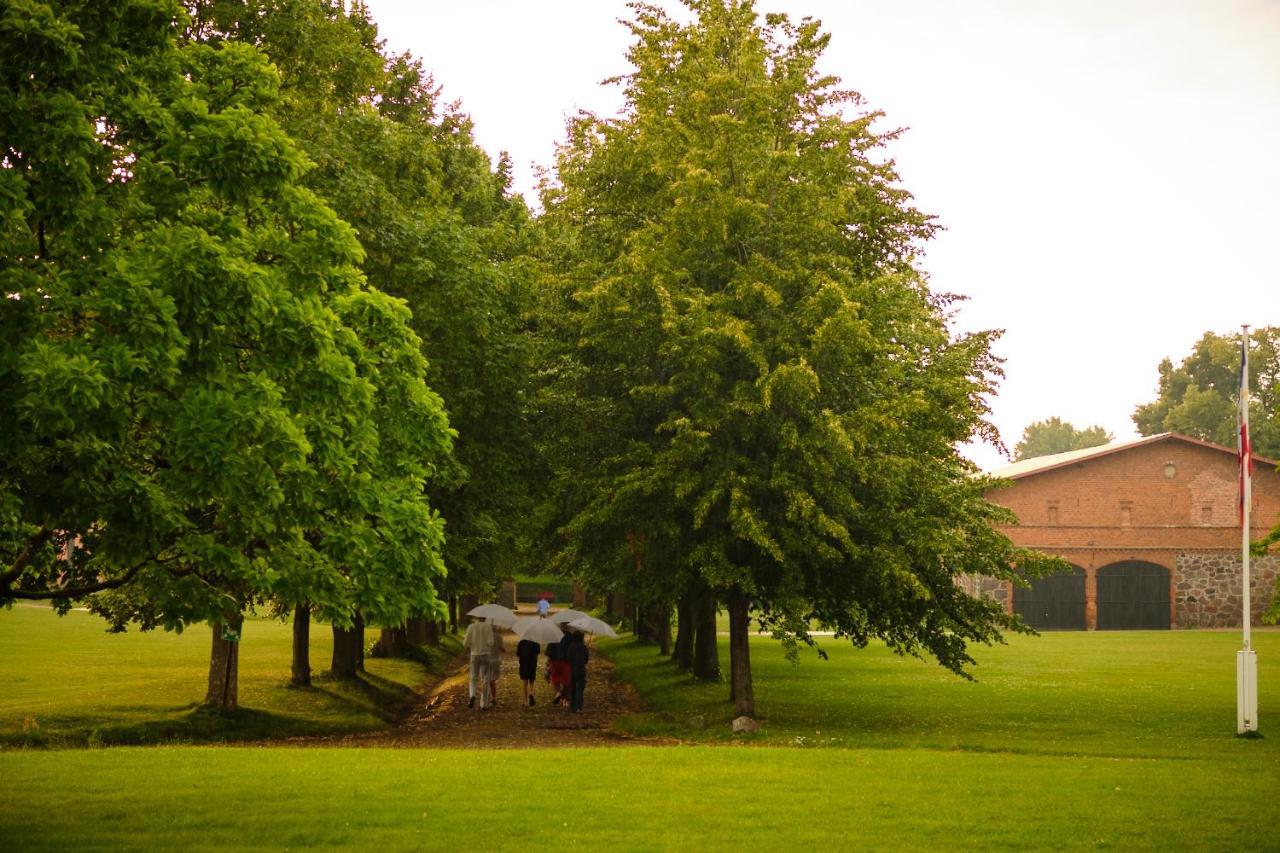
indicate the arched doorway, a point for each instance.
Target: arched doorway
{"x":1133,"y":594}
{"x":1054,"y":602}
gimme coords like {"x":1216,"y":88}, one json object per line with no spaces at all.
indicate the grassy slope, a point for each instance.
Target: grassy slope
{"x":699,"y":798}
{"x":73,"y":681}
{"x":1153,"y":694}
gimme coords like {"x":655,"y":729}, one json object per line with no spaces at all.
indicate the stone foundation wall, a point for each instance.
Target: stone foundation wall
{"x":1207,"y":588}
{"x":984,"y":587}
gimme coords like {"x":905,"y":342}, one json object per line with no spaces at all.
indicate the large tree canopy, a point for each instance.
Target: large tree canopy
{"x":1199,"y":396}
{"x":750,"y":386}
{"x":1054,"y":435}
{"x":201,"y":401}
{"x":439,"y":229}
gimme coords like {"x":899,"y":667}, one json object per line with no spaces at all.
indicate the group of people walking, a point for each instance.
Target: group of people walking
{"x":566,"y":666}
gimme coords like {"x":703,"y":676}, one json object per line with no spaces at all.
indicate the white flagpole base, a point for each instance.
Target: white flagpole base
{"x":1246,"y":691}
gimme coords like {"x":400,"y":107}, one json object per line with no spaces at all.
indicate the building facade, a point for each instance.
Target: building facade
{"x":1152,"y":531}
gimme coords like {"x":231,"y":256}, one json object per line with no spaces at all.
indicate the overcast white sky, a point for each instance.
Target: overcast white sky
{"x":1108,"y":172}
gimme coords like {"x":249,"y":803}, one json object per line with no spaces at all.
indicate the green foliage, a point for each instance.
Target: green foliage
{"x":1199,"y":397}
{"x":1044,"y":438}
{"x":439,"y":229}
{"x":203,"y":402}
{"x":748,"y":384}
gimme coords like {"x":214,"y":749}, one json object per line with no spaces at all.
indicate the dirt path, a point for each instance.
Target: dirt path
{"x":442,"y":719}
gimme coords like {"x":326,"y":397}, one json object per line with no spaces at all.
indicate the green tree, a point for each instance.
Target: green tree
{"x":1200,"y":396}
{"x":439,"y":228}
{"x":746,"y":370}
{"x":1054,"y":435}
{"x":204,"y":406}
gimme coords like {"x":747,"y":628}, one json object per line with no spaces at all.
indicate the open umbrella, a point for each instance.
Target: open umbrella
{"x":592,"y":625}
{"x":537,"y":630}
{"x":495,"y":613}
{"x":566,"y":616}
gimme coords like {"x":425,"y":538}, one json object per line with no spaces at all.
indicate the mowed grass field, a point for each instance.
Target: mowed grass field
{"x":1159,"y":694}
{"x":1068,"y":741}
{"x":68,"y":682}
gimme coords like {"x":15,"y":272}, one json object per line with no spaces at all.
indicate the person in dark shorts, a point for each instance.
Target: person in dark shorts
{"x":527,"y":652}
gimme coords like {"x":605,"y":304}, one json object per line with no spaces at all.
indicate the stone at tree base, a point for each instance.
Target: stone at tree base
{"x":745,"y":724}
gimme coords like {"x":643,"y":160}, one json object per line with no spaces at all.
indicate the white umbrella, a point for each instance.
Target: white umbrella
{"x":566,"y":615}
{"x":495,"y":613}
{"x":537,"y":630}
{"x":592,"y":625}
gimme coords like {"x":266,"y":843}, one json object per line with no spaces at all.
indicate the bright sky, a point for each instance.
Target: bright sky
{"x":1108,"y":171}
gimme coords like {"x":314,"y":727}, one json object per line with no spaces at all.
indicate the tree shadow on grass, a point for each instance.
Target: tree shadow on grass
{"x":381,"y":697}
{"x":338,"y":707}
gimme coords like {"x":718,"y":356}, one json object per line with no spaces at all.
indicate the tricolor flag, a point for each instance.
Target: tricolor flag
{"x":1242,"y":420}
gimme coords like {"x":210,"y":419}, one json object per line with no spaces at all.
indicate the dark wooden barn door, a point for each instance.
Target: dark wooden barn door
{"x":1133,"y":594}
{"x":1053,"y":602}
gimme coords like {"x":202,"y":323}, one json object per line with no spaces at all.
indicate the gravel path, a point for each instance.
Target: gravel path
{"x":442,"y":719}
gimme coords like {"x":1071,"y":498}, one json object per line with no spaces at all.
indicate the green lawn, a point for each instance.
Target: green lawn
{"x":69,"y":682}
{"x":1069,"y":740}
{"x":634,"y":798}
{"x":1106,"y":693}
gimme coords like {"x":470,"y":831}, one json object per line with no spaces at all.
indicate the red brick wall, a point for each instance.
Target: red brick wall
{"x":1122,"y":506}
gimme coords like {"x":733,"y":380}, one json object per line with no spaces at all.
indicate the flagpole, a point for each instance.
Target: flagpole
{"x":1246,"y":658}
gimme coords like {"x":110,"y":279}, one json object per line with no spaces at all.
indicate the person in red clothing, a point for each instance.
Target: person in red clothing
{"x":558,"y":669}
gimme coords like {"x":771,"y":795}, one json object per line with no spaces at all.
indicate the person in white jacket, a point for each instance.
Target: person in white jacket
{"x":479,"y":641}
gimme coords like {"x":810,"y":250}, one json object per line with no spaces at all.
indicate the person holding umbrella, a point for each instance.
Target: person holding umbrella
{"x":527,"y":652}
{"x":577,"y":656}
{"x":558,"y":671}
{"x":479,"y":641}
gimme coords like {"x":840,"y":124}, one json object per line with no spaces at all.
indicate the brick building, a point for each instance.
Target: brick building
{"x":1151,"y":528}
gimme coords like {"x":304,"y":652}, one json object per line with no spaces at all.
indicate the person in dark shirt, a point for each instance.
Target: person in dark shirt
{"x":578,"y":656}
{"x":527,"y":652}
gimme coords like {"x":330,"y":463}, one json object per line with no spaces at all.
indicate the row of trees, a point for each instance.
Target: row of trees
{"x":244,"y":250}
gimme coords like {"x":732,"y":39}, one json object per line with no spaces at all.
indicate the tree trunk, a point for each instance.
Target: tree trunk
{"x":358,"y":630}
{"x":393,"y":643}
{"x":706,"y":653}
{"x":642,"y":624}
{"x":348,"y":644}
{"x":432,"y":631}
{"x":415,"y":631}
{"x":662,"y":616}
{"x":224,"y":671}
{"x":301,"y":646}
{"x":453,"y":613}
{"x":740,"y":689}
{"x":465,"y":603}
{"x":683,"y":652}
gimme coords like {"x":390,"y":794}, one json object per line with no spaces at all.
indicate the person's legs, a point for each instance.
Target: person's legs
{"x":475,"y":679}
{"x":579,"y":687}
{"x":482,"y":676}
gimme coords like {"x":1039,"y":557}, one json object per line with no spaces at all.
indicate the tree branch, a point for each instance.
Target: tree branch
{"x":24,"y":557}
{"x":75,"y":592}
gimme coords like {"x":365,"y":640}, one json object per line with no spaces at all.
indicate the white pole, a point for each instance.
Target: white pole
{"x":1246,"y":486}
{"x":1246,"y":658}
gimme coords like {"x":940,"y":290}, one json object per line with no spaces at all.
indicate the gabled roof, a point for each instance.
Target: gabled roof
{"x":1040,"y":464}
